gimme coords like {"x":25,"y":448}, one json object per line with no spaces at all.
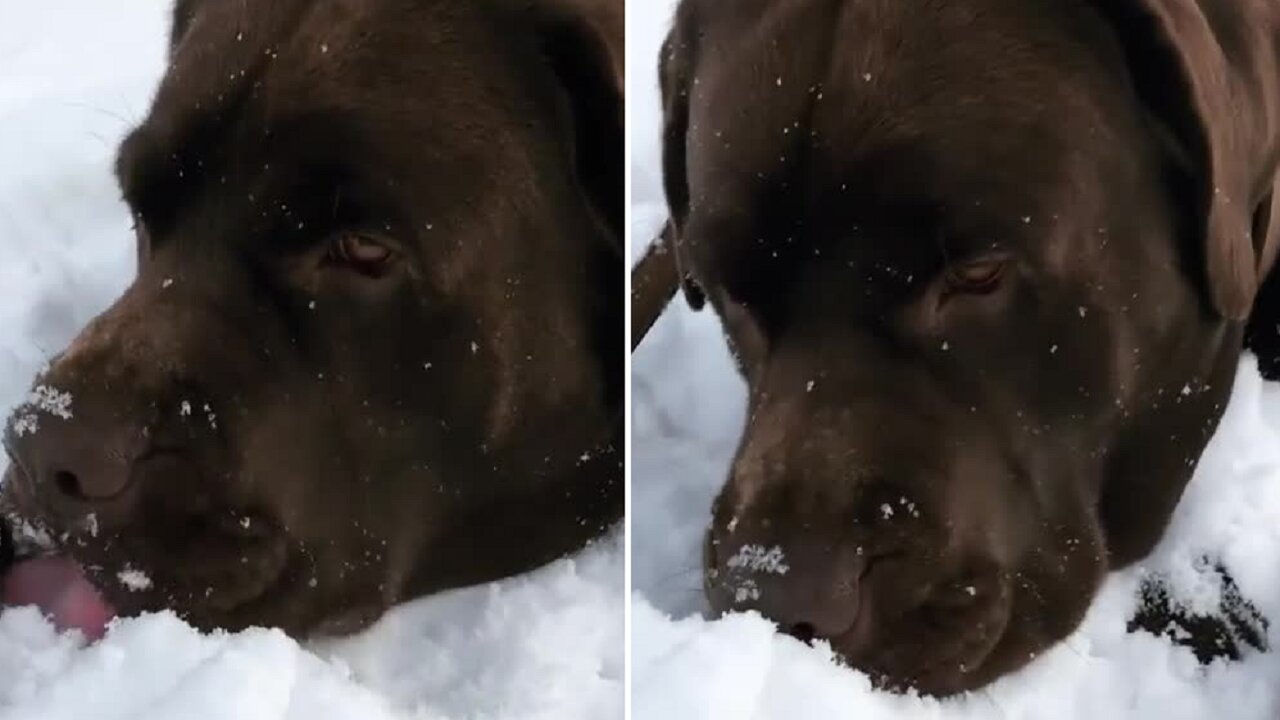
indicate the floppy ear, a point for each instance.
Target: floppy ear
{"x":673,"y":77}
{"x":583,"y":40}
{"x":1208,"y":71}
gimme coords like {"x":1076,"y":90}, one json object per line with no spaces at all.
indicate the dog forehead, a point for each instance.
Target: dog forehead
{"x":387,"y":93}
{"x":396,"y":68}
{"x":914,"y":98}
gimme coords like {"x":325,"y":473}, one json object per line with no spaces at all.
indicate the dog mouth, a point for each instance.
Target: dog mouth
{"x":34,"y":573}
{"x":59,"y":588}
{"x":212,"y":570}
{"x":81,"y":593}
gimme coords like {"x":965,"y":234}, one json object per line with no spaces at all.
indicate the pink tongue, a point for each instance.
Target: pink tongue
{"x":58,"y":587}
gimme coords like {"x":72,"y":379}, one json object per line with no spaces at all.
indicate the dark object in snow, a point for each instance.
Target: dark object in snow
{"x":653,"y":284}
{"x":374,"y":348}
{"x":1224,"y":634}
{"x":987,"y":267}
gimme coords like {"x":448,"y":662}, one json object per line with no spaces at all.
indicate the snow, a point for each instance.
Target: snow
{"x":74,"y":76}
{"x":134,"y":579}
{"x":758,"y":559}
{"x":687,"y":412}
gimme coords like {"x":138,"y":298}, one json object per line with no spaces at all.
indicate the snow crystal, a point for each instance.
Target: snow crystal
{"x":746,"y":590}
{"x":758,"y":559}
{"x":26,"y":424}
{"x":51,"y":400}
{"x":133,"y":579}
{"x":28,"y":535}
{"x":910,"y":506}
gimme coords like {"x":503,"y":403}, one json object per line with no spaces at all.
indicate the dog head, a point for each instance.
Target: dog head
{"x":375,"y":321}
{"x":985,"y":266}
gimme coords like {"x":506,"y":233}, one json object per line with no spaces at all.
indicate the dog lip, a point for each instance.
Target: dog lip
{"x":156,"y":450}
{"x":213,"y":596}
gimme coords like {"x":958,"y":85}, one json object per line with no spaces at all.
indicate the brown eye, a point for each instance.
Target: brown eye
{"x":977,"y":276}
{"x":363,"y":253}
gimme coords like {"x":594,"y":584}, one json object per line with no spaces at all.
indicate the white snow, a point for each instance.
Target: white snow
{"x":134,"y":579}
{"x":74,"y":76}
{"x":759,"y":559}
{"x":51,"y":400}
{"x":687,"y":413}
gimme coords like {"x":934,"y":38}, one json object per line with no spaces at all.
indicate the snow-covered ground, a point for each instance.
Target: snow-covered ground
{"x":687,"y":413}
{"x":74,"y":76}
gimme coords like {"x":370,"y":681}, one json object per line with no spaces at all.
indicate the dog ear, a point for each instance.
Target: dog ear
{"x":673,"y":79}
{"x":1210,"y":77}
{"x":583,"y":41}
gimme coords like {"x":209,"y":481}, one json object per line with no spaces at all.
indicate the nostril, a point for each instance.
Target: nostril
{"x":100,"y":484}
{"x":804,"y":632}
{"x":68,"y":484}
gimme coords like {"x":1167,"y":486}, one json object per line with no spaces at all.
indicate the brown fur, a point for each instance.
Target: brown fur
{"x":279,"y":435}
{"x":950,"y":471}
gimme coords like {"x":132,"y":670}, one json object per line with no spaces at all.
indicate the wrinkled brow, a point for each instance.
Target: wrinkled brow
{"x":159,"y":171}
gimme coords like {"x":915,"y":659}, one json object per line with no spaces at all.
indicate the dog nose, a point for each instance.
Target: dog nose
{"x":808,"y":588}
{"x":814,"y":605}
{"x":76,"y":459}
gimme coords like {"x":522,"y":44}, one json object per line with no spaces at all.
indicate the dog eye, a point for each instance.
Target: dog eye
{"x":977,"y":276}
{"x":363,"y":253}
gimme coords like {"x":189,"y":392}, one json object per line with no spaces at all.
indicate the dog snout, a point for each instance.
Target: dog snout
{"x":809,"y":587}
{"x":106,"y":411}
{"x":912,"y":614}
{"x":80,"y":460}
{"x":81,"y":449}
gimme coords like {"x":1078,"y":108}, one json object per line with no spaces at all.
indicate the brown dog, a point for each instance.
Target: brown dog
{"x":375,"y":344}
{"x":988,"y":267}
